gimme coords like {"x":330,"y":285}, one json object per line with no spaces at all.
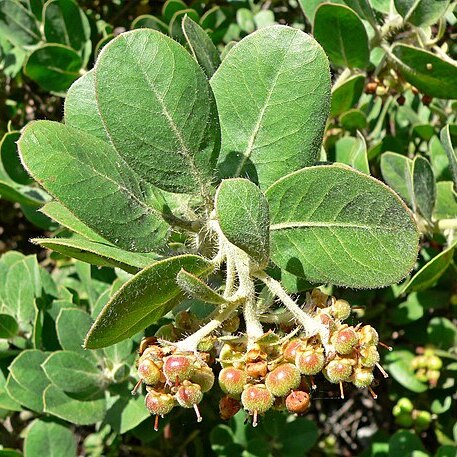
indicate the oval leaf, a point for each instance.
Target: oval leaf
{"x":422,"y":12}
{"x":342,"y":35}
{"x":50,"y":439}
{"x":88,"y":166}
{"x":145,"y":105}
{"x":196,"y":288}
{"x":142,"y":300}
{"x":446,"y":140}
{"x":8,"y":326}
{"x":269,"y":125}
{"x":397,"y":173}
{"x":333,"y":224}
{"x":424,"y":186}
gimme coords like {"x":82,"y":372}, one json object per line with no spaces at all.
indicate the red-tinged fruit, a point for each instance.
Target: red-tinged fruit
{"x":338,"y":370}
{"x":159,"y":403}
{"x":283,"y":379}
{"x":257,"y":398}
{"x":149,"y":372}
{"x":310,"y":362}
{"x":232,"y":380}
{"x":178,"y":368}
{"x":298,"y":402}
{"x":290,"y":349}
{"x":228,"y":407}
{"x":344,"y":340}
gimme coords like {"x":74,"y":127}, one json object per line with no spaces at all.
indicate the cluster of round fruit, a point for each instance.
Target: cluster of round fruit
{"x":427,"y":367}
{"x":173,"y":378}
{"x":407,"y":416}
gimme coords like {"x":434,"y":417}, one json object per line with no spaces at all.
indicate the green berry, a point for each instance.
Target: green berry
{"x":232,"y":380}
{"x":338,"y":370}
{"x":422,"y":420}
{"x":159,"y":403}
{"x":434,"y":363}
{"x":257,"y":399}
{"x":369,"y":356}
{"x":432,"y":376}
{"x":405,"y":405}
{"x":404,"y":420}
{"x":149,"y":372}
{"x":362,"y":377}
{"x":368,"y":336}
{"x":283,"y":379}
{"x":204,"y":377}
{"x":177,"y":368}
{"x":310,"y":363}
{"x":344,"y":340}
{"x":341,"y":310}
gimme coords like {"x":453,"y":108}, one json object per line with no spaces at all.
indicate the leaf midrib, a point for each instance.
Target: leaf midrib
{"x":311,"y":224}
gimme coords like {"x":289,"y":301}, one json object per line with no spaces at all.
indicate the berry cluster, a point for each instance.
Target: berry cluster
{"x":173,"y":378}
{"x":427,"y":367}
{"x":407,"y":416}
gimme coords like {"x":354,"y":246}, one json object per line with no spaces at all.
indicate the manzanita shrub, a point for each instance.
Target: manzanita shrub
{"x":221,"y":179}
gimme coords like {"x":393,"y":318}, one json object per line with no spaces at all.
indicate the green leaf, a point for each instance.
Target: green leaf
{"x":171,"y":7}
{"x":53,"y":66}
{"x":429,"y":274}
{"x":353,"y":151}
{"x":446,"y":201}
{"x":6,"y":401}
{"x":408,"y":311}
{"x":309,"y":7}
{"x":91,"y":167}
{"x":72,"y":325}
{"x":72,"y":372}
{"x":142,"y":300}
{"x":66,"y":23}
{"x":148,"y":21}
{"x":8,"y":326}
{"x":333,"y":224}
{"x":103,"y":255}
{"x":242,"y":212}
{"x":17,"y":24}
{"x":363,"y":9}
{"x":442,"y":333}
{"x":254,"y":96}
{"x":404,"y":442}
{"x":424,"y":186}
{"x":81,"y":110}
{"x":49,"y":439}
{"x":264,"y":18}
{"x":245,"y":19}
{"x":197,"y":289}
{"x":175,"y":29}
{"x":59,"y":404}
{"x":342,"y":35}
{"x":27,"y":381}
{"x":446,"y":139}
{"x":148,"y":119}
{"x":24,"y":195}
{"x":353,"y":120}
{"x":397,"y":173}
{"x":126,"y":413}
{"x":426,"y":71}
{"x":347,"y":94}
{"x":401,"y":370}
{"x":422,"y":13}
{"x":201,"y":46}
{"x":10,"y":159}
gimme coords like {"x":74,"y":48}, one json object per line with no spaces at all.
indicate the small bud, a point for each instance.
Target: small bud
{"x":310,"y":362}
{"x":177,"y":368}
{"x":298,"y":402}
{"x":341,"y":310}
{"x":228,"y":407}
{"x":232,"y":380}
{"x":149,"y":372}
{"x":206,"y":344}
{"x":419,"y":362}
{"x":167,"y":332}
{"x":283,"y":379}
{"x":256,"y":354}
{"x":405,"y":405}
{"x":344,"y":340}
{"x":404,"y":420}
{"x":338,"y":370}
{"x":204,"y":377}
{"x":369,"y":356}
{"x":433,"y":377}
{"x":159,"y":403}
{"x":186,"y":321}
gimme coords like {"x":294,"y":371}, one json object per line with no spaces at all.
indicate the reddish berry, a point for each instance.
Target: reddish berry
{"x":290,"y":350}
{"x":257,"y":399}
{"x":228,"y":407}
{"x":189,"y":396}
{"x":232,"y":380}
{"x":177,"y":368}
{"x":338,"y":370}
{"x":310,"y":362}
{"x":283,"y":379}
{"x":149,"y":372}
{"x":344,"y":340}
{"x":298,"y":402}
{"x":159,"y":403}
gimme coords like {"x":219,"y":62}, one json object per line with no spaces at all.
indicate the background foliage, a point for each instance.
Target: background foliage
{"x":392,"y":116}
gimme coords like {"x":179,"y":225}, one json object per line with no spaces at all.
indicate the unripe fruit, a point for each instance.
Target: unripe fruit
{"x":204,"y":377}
{"x":434,"y":363}
{"x":404,"y":420}
{"x":153,"y":352}
{"x":189,"y":394}
{"x":338,"y":370}
{"x":419,"y":362}
{"x":167,"y":332}
{"x":177,"y":368}
{"x":232,"y":380}
{"x":341,"y":310}
{"x":257,"y":398}
{"x":206,"y":344}
{"x":368,"y":336}
{"x":290,"y":349}
{"x":228,"y":407}
{"x":283,"y":379}
{"x":422,"y":420}
{"x":298,"y":402}
{"x":344,"y":340}
{"x":149,"y":372}
{"x":362,"y":377}
{"x":422,"y":375}
{"x":257,"y":370}
{"x":432,"y":377}
{"x":405,"y":404}
{"x":310,"y":363}
{"x":369,"y":356}
{"x":159,"y":403}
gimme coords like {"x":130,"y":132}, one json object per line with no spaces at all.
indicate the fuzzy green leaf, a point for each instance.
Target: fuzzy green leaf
{"x":446,"y":139}
{"x":242,"y":212}
{"x":426,"y":71}
{"x":269,"y":125}
{"x":201,"y":46}
{"x":333,"y":224}
{"x":145,"y":105}
{"x":196,"y":288}
{"x":424,"y":186}
{"x":86,"y":165}
{"x":10,"y":158}
{"x":53,"y":66}
{"x":353,"y":151}
{"x":49,"y":439}
{"x":343,"y":36}
{"x":8,"y":326}
{"x":422,"y":13}
{"x":446,"y":201}
{"x":142,"y":300}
